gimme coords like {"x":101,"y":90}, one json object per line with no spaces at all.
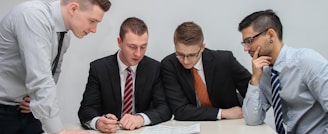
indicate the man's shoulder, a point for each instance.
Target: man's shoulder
{"x":148,"y":61}
{"x":218,"y":52}
{"x":103,"y":60}
{"x":169,"y":57}
{"x":34,"y":6}
{"x":217,"y":56}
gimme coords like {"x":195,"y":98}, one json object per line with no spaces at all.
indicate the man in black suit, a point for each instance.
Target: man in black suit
{"x":103,"y":104}
{"x":220,"y":73}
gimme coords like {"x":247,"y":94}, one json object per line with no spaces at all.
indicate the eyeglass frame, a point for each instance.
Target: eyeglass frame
{"x":248,"y":41}
{"x":192,"y":56}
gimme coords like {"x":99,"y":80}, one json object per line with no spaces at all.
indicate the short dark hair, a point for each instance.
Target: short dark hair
{"x":103,"y":4}
{"x":262,"y":20}
{"x":133,"y":24}
{"x":188,"y":33}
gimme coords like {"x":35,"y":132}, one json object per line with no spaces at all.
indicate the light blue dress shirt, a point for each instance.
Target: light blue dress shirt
{"x":28,"y":46}
{"x":303,"y":74}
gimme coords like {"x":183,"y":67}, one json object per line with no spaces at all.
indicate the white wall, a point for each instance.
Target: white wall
{"x":305,"y":25}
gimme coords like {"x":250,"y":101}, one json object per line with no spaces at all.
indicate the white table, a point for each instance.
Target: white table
{"x":236,"y":126}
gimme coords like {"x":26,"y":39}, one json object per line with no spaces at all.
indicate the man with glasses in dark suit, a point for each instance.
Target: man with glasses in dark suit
{"x":202,"y":84}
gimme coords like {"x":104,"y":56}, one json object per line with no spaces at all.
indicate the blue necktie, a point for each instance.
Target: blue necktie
{"x":276,"y":88}
{"x":60,"y":44}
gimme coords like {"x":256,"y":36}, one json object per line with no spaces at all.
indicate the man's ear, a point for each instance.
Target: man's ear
{"x":203,"y":46}
{"x":73,"y":7}
{"x":119,"y":41}
{"x":271,"y":33}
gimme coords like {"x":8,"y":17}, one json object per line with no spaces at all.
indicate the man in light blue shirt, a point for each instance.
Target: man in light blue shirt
{"x":303,"y":75}
{"x":31,"y":56}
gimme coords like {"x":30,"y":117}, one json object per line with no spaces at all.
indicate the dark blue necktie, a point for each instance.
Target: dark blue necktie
{"x":276,"y":88}
{"x":60,"y":44}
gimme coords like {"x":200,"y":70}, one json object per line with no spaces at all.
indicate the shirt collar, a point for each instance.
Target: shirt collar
{"x":280,"y":61}
{"x":199,"y":64}
{"x":58,"y":16}
{"x":122,"y":66}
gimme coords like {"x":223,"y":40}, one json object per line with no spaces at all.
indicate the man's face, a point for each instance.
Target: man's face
{"x":83,"y":22}
{"x":133,"y":48}
{"x":188,"y":55}
{"x":252,"y":40}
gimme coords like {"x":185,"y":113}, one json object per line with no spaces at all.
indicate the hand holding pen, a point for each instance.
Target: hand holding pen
{"x":107,"y":123}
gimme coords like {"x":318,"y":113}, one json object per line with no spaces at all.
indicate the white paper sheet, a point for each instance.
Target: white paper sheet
{"x":163,"y":129}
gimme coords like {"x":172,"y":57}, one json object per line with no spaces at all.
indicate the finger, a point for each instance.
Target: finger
{"x":25,"y":111}
{"x":262,"y":59}
{"x":27,"y":99}
{"x":23,"y":107}
{"x":124,"y":118}
{"x":256,"y":53}
{"x":111,"y":116}
{"x":130,"y":125}
{"x":265,"y":61}
{"x":109,"y":128}
{"x":25,"y":104}
{"x":125,"y":125}
{"x":107,"y":121}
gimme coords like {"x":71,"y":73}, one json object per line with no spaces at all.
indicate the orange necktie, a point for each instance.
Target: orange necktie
{"x":201,"y":90}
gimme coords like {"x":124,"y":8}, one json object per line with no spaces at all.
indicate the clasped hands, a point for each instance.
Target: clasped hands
{"x":110,"y":124}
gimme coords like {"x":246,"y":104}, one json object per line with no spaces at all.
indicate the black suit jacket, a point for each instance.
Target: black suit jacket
{"x":223,"y":75}
{"x":103,"y":91}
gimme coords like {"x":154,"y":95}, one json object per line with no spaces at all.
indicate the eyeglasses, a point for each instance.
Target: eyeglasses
{"x":192,"y":56}
{"x":248,"y":41}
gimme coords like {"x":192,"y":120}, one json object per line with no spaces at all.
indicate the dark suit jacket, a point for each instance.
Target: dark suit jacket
{"x":223,"y":75}
{"x":103,"y":91}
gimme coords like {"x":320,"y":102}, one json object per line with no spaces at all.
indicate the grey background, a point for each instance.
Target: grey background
{"x":305,"y":25}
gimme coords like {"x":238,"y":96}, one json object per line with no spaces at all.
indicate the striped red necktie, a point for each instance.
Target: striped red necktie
{"x":128,"y":93}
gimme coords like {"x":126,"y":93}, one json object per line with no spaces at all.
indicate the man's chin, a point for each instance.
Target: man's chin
{"x":187,"y":67}
{"x":80,"y":36}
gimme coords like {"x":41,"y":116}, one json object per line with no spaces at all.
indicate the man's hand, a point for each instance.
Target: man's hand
{"x":24,"y":106}
{"x":232,"y":113}
{"x":257,"y":66}
{"x":131,"y":122}
{"x":107,"y":123}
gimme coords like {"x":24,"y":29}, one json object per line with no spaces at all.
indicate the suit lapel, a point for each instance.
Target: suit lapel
{"x":209,"y":70}
{"x":190,"y":82}
{"x":140,"y":80}
{"x":187,"y":79}
{"x":115,"y":79}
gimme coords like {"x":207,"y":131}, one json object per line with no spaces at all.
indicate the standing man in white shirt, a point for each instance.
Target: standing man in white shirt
{"x":31,"y":52}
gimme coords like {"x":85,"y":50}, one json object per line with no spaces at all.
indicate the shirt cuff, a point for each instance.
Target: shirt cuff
{"x":52,"y":125}
{"x":93,"y":123}
{"x":219,"y":114}
{"x":146,"y":119}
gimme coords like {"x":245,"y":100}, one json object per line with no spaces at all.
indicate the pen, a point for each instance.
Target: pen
{"x":117,"y":123}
